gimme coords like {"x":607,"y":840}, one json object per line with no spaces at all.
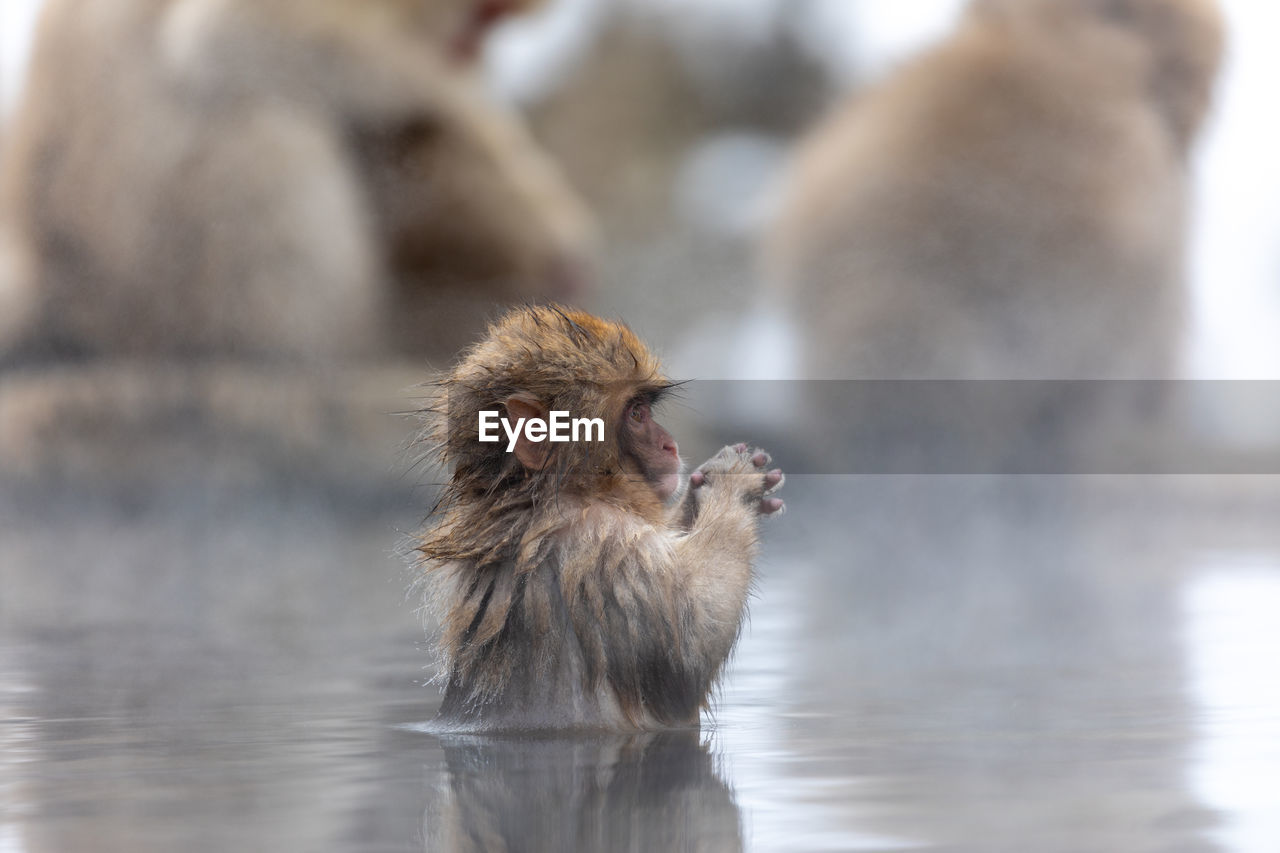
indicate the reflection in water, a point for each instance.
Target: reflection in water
{"x":651,"y":792}
{"x":1232,"y":637}
{"x":16,"y":749}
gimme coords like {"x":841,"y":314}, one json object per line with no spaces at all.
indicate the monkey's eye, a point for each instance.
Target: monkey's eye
{"x":639,"y":411}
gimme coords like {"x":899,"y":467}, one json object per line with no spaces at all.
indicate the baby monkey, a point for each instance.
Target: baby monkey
{"x":575,"y":586}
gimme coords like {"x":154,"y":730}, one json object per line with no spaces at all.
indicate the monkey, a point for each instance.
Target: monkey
{"x":578,"y":585}
{"x":1009,"y":205}
{"x":275,"y":178}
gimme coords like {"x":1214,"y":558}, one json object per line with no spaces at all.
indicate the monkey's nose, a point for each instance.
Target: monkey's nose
{"x":671,"y":447}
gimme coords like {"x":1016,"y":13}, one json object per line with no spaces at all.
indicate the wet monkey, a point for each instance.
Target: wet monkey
{"x":275,"y":177}
{"x":576,"y":587}
{"x":1009,"y":204}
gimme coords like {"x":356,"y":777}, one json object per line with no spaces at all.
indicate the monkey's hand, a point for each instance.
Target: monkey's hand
{"x":715,"y":554}
{"x":741,"y":469}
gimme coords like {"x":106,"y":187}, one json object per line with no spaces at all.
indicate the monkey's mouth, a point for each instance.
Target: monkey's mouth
{"x":674,"y":483}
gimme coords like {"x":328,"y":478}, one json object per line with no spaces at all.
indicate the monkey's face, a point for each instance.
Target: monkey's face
{"x":650,"y":448}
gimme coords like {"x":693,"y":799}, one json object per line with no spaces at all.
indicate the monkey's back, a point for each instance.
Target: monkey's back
{"x":286,"y":178}
{"x":538,"y":667}
{"x":596,"y":643}
{"x":209,"y":216}
{"x":1001,"y":208}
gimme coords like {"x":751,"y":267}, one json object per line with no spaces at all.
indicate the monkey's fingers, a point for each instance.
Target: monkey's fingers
{"x":772,"y":506}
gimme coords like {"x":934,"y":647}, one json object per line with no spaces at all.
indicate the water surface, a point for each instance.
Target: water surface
{"x":953,"y":663}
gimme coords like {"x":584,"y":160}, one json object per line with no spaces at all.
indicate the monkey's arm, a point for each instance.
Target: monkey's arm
{"x":658,"y":608}
{"x":714,"y":558}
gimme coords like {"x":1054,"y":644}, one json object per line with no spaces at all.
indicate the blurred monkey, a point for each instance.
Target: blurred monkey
{"x":572,"y":591}
{"x":16,"y":296}
{"x":1009,"y":205}
{"x":275,"y":177}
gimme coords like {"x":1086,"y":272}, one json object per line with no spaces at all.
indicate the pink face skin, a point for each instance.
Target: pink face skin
{"x":653,"y":448}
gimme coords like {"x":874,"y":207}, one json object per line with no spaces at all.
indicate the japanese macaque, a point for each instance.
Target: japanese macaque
{"x":289,"y":178}
{"x":573,"y":589}
{"x":1009,"y":205}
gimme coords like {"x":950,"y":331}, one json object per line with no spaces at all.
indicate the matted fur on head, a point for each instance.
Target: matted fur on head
{"x":565,"y":360}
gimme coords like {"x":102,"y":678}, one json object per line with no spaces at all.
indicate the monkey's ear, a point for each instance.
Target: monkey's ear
{"x":534,"y":456}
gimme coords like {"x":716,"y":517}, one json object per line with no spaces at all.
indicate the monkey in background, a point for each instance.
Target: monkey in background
{"x":1011,"y":204}
{"x":279,"y":178}
{"x":572,"y":592}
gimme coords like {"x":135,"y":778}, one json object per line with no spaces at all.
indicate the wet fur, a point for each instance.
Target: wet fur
{"x":572,"y":597}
